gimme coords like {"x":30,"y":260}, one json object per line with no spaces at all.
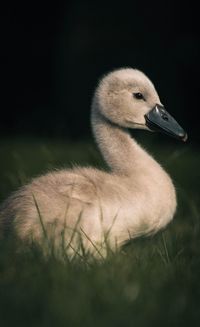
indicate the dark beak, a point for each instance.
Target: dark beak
{"x":158,"y":119}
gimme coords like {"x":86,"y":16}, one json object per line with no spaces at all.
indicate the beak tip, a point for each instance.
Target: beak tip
{"x":185,"y":137}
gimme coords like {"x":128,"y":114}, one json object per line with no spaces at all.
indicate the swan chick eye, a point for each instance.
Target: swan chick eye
{"x":138,"y":96}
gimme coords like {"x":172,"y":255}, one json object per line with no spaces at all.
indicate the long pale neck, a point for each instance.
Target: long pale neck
{"x":120,"y":151}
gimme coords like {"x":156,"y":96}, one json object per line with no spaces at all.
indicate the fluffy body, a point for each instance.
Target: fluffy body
{"x":135,"y":197}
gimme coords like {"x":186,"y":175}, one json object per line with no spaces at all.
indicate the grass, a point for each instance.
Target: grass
{"x":150,"y":282}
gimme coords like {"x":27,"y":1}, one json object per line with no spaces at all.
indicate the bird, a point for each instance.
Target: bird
{"x":89,"y":208}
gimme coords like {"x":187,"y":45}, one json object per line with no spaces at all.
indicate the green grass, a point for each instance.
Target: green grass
{"x":152,"y":282}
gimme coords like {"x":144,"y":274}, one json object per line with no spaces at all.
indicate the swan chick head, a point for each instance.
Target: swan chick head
{"x":124,"y":96}
{"x":127,"y":98}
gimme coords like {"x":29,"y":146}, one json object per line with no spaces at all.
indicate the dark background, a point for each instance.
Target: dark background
{"x":52,"y":55}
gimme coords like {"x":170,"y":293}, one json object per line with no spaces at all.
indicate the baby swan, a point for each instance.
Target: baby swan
{"x":136,"y":197}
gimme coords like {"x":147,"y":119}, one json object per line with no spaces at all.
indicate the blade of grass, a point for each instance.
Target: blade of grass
{"x":166,"y":249}
{"x":40,"y":217}
{"x":74,"y":230}
{"x":94,"y":245}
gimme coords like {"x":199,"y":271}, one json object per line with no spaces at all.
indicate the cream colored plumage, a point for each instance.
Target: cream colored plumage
{"x":136,"y":197}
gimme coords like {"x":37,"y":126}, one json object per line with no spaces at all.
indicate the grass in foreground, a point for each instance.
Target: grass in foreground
{"x":151,"y":282}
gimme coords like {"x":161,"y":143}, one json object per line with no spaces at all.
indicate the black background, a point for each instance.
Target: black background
{"x":52,"y":55}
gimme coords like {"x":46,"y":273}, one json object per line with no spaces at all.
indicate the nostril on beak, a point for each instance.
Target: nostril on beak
{"x":164,"y":117}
